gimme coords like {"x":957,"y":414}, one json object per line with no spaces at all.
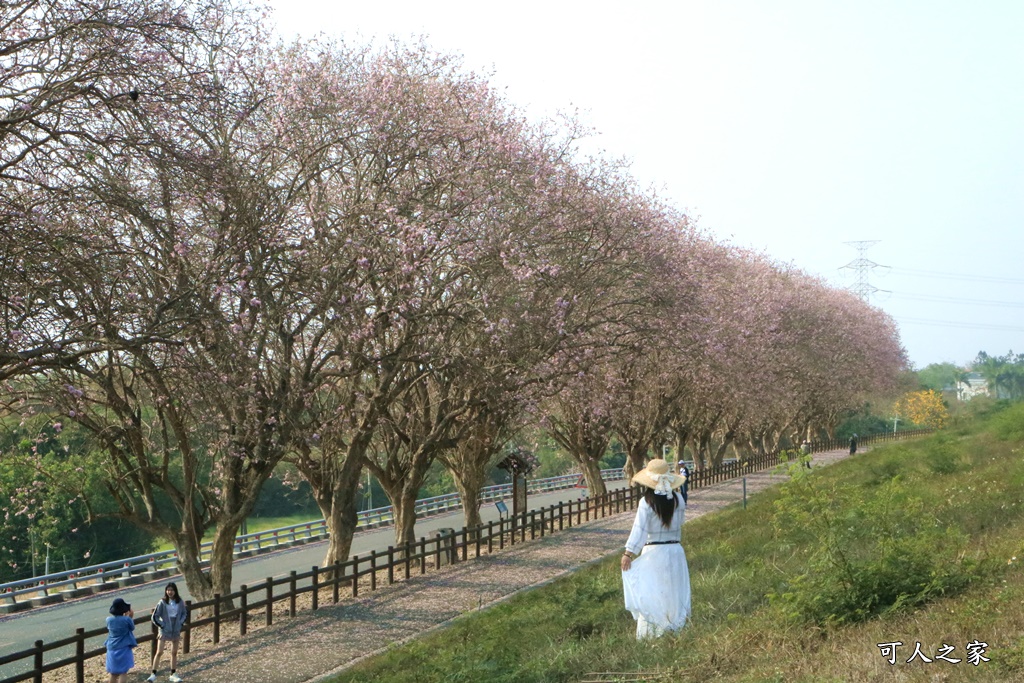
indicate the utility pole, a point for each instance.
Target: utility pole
{"x":861,"y":268}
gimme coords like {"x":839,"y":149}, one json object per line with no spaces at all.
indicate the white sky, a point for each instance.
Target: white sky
{"x":788,"y":126}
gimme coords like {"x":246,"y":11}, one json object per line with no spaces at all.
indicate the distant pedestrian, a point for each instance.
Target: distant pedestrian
{"x":805,"y":452}
{"x":170,"y":615}
{"x":684,"y":472}
{"x":120,"y":641}
{"x":853,"y":444}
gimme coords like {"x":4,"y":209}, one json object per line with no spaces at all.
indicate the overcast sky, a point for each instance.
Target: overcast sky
{"x":793,"y":127}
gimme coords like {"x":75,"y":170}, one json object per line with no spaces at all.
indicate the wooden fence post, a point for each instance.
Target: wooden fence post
{"x":187,"y":635}
{"x":243,"y":619}
{"x":270,"y":600}
{"x":292,"y":590}
{"x":79,"y":655}
{"x":38,"y":677}
{"x":216,"y":618}
{"x":373,"y":571}
{"x":316,"y":587}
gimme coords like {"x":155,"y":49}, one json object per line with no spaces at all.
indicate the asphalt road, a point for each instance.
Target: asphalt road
{"x":20,"y":631}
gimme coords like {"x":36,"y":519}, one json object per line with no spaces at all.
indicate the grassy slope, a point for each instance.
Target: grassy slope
{"x":969,"y":481}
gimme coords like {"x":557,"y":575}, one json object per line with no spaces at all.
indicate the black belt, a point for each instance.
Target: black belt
{"x":660,"y":542}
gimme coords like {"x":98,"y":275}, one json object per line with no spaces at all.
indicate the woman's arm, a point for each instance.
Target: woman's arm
{"x":157,"y":617}
{"x":637,"y":536}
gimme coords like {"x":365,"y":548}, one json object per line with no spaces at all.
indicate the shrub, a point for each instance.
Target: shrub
{"x":1008,"y":424}
{"x":942,"y":455}
{"x":870,"y":552}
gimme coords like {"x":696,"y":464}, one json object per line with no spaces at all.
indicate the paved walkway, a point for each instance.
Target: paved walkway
{"x":314,"y":645}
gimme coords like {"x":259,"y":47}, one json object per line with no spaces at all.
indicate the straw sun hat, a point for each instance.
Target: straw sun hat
{"x":658,"y":477}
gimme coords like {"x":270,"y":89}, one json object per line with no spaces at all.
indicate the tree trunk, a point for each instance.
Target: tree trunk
{"x":341,"y":518}
{"x":592,"y":474}
{"x":404,"y":507}
{"x":197,"y":580}
{"x":339,"y":506}
{"x":699,"y":458}
{"x":222,"y":557}
{"x":723,"y":447}
{"x":704,"y":444}
{"x":727,"y":438}
{"x":469,"y":482}
{"x":636,"y":454}
{"x":681,"y":437}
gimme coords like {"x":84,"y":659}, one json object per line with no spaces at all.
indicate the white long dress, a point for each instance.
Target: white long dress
{"x":657,"y":585}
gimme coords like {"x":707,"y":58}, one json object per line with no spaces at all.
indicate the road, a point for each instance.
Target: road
{"x":19,"y":631}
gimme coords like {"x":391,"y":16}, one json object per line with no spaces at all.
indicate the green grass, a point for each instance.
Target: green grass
{"x":256,"y":524}
{"x":956,"y":516}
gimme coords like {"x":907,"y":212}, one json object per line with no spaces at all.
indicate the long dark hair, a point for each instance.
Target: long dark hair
{"x":664,"y":506}
{"x":177,"y":595}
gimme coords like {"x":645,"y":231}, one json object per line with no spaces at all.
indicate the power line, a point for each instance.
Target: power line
{"x":953,"y":300}
{"x":955,"y":276}
{"x":960,"y":325}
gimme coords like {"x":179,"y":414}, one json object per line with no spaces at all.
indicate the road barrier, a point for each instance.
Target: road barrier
{"x":24,"y":594}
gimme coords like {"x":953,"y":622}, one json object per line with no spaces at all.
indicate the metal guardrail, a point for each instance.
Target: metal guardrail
{"x":96,"y":578}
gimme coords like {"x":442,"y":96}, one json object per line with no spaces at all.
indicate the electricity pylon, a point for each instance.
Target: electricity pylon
{"x":861,"y":267}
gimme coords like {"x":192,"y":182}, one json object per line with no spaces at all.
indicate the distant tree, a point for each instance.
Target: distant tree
{"x":1004,"y":374}
{"x":42,"y":514}
{"x":923,"y":408}
{"x":939,"y":376}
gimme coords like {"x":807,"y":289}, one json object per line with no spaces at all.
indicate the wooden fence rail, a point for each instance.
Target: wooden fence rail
{"x":446,"y":547}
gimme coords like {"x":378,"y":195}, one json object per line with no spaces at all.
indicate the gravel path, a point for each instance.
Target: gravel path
{"x":314,"y":645}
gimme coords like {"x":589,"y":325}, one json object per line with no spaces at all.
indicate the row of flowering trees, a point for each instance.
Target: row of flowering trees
{"x":219,"y":253}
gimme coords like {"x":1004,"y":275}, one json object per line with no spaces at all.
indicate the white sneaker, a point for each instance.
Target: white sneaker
{"x":175,"y":678}
{"x":152,"y":677}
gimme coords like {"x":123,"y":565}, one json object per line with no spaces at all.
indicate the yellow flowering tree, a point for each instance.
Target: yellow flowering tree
{"x":923,"y":408}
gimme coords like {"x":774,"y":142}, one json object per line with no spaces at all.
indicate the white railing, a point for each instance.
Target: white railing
{"x":134,"y":570}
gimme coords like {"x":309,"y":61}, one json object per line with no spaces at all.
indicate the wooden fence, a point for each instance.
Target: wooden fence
{"x":382,"y":566}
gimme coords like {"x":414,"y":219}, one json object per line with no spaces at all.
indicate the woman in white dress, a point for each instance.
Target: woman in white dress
{"x":655,"y":577}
